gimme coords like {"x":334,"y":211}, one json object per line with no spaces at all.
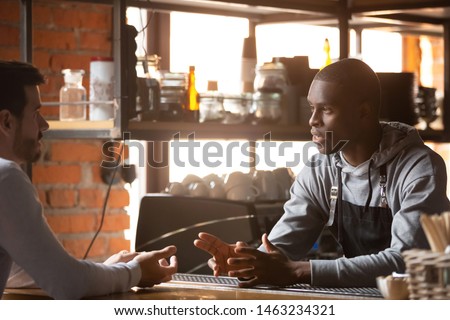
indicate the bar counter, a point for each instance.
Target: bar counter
{"x":187,"y":287}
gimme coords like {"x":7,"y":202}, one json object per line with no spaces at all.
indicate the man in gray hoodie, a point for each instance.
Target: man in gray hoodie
{"x":369,"y":183}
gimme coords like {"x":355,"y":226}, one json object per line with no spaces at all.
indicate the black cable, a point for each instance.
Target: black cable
{"x":105,"y":202}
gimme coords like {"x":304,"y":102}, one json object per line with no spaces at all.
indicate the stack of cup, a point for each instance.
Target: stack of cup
{"x":239,"y":187}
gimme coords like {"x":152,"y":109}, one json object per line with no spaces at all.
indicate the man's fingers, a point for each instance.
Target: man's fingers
{"x":242,"y":273}
{"x":206,"y":246}
{"x":163,"y":262}
{"x":249,"y":252}
{"x":249,"y":283}
{"x":214,"y":267}
{"x":163,"y":253}
{"x":213,"y":240}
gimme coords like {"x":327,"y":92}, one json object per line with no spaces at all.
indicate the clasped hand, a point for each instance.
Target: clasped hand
{"x":251,"y":265}
{"x":156,"y":266}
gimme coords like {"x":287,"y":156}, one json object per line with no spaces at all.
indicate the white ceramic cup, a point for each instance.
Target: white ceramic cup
{"x":216,"y":186}
{"x":191,"y":178}
{"x":284,"y":179}
{"x":243,"y":193}
{"x":237,"y":178}
{"x":267,"y":183}
{"x":198,"y":189}
{"x":176,"y":188}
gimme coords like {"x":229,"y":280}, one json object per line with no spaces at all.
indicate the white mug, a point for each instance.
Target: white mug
{"x":243,"y":193}
{"x":237,"y":178}
{"x":198,"y":189}
{"x":266,"y":182}
{"x":216,"y":186}
{"x":285,"y":179}
{"x":191,"y":178}
{"x":176,"y":188}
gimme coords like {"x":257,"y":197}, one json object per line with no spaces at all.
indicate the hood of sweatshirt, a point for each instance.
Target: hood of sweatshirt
{"x":396,"y":137}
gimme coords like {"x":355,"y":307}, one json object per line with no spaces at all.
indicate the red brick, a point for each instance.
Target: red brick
{"x":62,"y":198}
{"x":119,"y":198}
{"x":42,"y":15}
{"x":41,"y":59}
{"x":50,"y":113}
{"x":43,"y":198}
{"x":9,"y":11}
{"x":10,"y":35}
{"x":96,"y":177}
{"x":99,"y":21}
{"x":78,"y":247}
{"x":52,"y":39}
{"x":96,"y":41}
{"x":92,"y":198}
{"x":72,"y":223}
{"x":76,"y":152}
{"x":47,"y":173}
{"x":9,"y":53}
{"x":118,"y":244}
{"x":115,"y":222}
{"x":67,"y":18}
{"x":59,"y":62}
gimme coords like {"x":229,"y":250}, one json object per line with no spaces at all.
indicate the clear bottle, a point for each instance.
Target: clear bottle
{"x":72,"y":95}
{"x":192,"y":112}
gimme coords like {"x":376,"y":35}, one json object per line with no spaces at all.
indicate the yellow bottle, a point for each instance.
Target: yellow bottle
{"x":192,"y":106}
{"x":326,"y":50}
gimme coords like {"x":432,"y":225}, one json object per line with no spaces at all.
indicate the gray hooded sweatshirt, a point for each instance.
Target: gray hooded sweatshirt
{"x":416,"y":183}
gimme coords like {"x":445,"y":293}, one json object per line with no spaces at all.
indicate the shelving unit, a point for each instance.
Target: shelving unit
{"x":414,"y":16}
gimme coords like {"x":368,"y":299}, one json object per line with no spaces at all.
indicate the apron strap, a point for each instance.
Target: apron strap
{"x":383,"y":182}
{"x":334,"y":199}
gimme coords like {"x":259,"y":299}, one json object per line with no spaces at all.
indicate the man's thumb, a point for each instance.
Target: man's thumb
{"x":267,"y":244}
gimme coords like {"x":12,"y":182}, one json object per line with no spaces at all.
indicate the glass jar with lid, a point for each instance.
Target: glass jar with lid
{"x":72,"y":96}
{"x":271,"y":77}
{"x":173,"y":95}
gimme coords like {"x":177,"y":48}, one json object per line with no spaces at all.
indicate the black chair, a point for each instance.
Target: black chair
{"x":176,"y":220}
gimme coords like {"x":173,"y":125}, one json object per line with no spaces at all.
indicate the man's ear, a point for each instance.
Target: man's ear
{"x":7,"y":122}
{"x":365,"y":110}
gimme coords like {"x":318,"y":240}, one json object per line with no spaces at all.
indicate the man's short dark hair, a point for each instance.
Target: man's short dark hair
{"x":356,"y":77}
{"x":14,"y":76}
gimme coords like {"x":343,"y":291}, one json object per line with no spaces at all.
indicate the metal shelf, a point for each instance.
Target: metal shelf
{"x":146,"y":130}
{"x":427,"y":16}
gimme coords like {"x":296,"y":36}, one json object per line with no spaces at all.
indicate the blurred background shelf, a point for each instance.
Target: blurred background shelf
{"x":146,"y":130}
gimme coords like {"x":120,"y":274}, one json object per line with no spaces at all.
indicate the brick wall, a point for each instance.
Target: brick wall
{"x":67,"y":35}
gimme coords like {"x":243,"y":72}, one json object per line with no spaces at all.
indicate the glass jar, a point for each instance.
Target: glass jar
{"x":211,"y":104}
{"x":271,"y":77}
{"x":173,"y":96}
{"x":237,"y":108}
{"x":266,"y":108}
{"x":72,"y":96}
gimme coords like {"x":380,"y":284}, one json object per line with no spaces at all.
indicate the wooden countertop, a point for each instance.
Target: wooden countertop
{"x":186,"y":290}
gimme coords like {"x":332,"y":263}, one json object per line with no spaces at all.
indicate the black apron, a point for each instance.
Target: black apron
{"x":361,"y":230}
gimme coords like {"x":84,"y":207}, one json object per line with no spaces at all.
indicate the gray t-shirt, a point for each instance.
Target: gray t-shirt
{"x":26,"y":239}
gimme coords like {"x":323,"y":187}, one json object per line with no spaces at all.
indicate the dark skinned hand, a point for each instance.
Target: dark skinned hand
{"x":221,"y":252}
{"x":255,"y":267}
{"x":251,"y":266}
